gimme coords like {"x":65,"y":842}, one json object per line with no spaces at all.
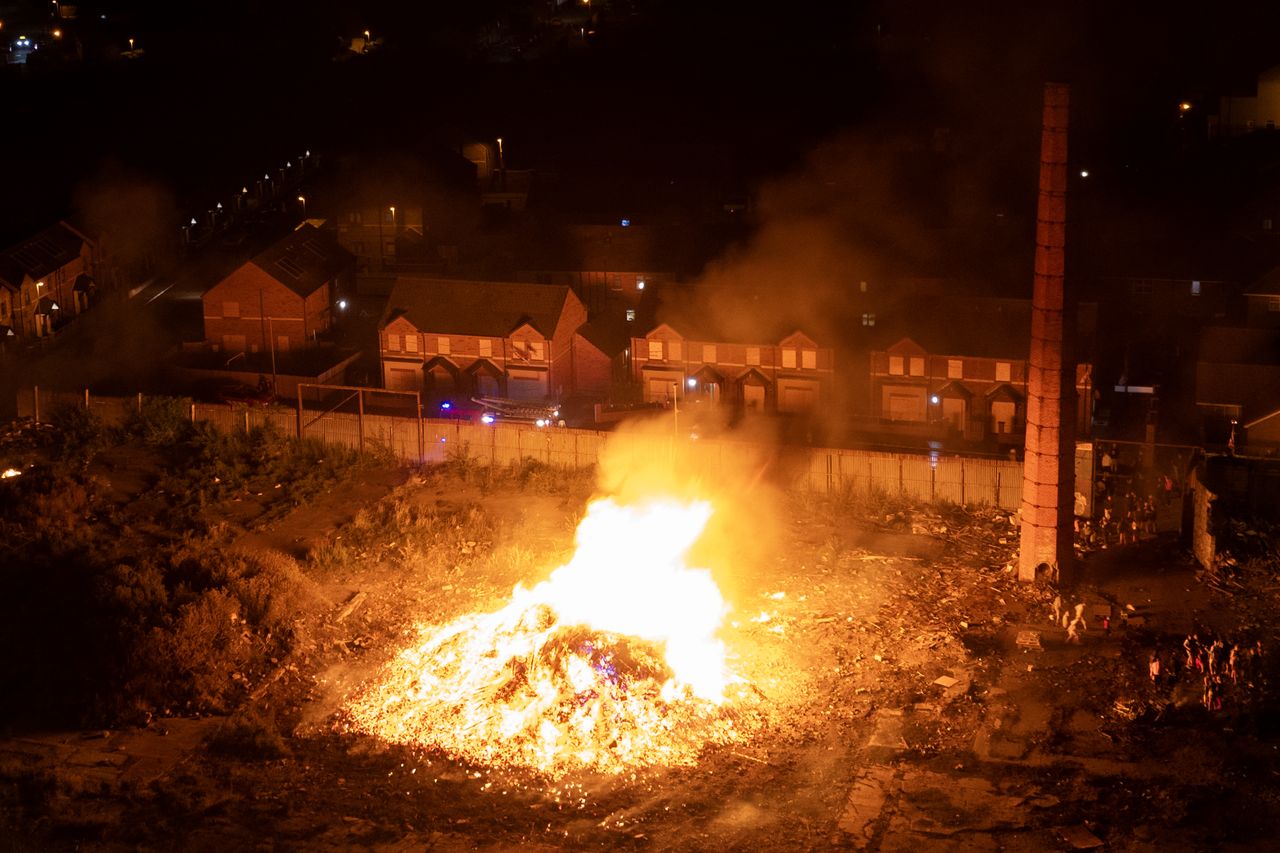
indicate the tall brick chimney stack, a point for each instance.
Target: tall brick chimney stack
{"x":1048,"y":467}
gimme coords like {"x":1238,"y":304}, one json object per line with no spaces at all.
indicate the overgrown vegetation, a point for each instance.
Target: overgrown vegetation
{"x":118,"y":610}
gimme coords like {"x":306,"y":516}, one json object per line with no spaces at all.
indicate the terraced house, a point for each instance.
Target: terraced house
{"x":676,"y":361}
{"x":282,"y":299}
{"x":450,"y":337}
{"x":45,"y":281}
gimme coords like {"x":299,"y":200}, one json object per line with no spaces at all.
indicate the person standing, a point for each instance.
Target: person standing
{"x":1153,"y":667}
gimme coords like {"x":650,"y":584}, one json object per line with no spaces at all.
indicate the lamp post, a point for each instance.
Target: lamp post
{"x":302,"y":199}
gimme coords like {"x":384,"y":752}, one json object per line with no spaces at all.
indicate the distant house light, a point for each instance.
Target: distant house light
{"x":342,"y":305}
{"x":934,"y":399}
{"x":1084,"y":173}
{"x":691,"y":382}
{"x":631,"y":315}
{"x":1195,"y":288}
{"x":639,"y":284}
{"x":193,"y":220}
{"x":626,"y":223}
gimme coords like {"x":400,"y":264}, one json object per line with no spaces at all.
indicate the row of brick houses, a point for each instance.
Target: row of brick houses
{"x":45,"y":280}
{"x":533,"y":341}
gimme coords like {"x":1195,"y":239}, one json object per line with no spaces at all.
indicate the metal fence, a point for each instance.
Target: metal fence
{"x":930,"y":477}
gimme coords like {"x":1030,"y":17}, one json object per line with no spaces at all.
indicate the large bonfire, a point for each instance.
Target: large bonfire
{"x":612,"y":663}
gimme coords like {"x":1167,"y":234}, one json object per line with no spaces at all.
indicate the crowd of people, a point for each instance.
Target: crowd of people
{"x":1231,"y":673}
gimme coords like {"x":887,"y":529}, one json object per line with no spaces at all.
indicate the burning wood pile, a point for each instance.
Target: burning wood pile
{"x":611,"y":664}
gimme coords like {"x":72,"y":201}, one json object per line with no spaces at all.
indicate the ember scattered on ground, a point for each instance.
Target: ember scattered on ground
{"x":918,"y":697}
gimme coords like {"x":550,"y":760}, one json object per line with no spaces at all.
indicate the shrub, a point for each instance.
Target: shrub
{"x":162,"y":421}
{"x":79,"y":434}
{"x":248,"y":736}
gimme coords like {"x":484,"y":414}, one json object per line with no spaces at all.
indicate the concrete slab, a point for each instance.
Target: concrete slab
{"x":865,"y":804}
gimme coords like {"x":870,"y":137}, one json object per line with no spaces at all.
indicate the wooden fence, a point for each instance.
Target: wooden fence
{"x":929,"y":477}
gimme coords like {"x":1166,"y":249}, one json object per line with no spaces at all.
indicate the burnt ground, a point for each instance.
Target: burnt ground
{"x":844,"y":629}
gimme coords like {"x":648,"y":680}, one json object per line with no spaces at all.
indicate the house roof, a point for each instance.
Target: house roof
{"x":492,"y":308}
{"x":304,"y":260}
{"x":608,"y":334}
{"x":38,"y":256}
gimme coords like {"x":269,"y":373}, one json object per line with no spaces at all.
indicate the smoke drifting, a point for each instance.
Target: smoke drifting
{"x":129,"y":212}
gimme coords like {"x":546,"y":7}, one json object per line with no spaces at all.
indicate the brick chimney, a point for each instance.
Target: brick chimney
{"x":1048,"y":467}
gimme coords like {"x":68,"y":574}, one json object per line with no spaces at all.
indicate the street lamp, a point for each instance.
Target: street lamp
{"x":501,"y":167}
{"x":303,"y":200}
{"x":131,"y":45}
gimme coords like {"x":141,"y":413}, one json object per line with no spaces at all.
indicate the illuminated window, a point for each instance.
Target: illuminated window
{"x":675,"y":351}
{"x":231,"y":309}
{"x":709,"y":353}
{"x":809,"y":359}
{"x":535,"y":351}
{"x":896,"y":365}
{"x":410,"y":343}
{"x":917,"y":365}
{"x":955,"y":368}
{"x":788,"y":357}
{"x":631,"y":315}
{"x":1002,"y":371}
{"x":655,"y":350}
{"x":444,"y":345}
{"x":753,"y":355}
{"x":868,"y":319}
{"x":486,"y":348}
{"x":862,"y":285}
{"x":1195,"y":288}
{"x":393,"y":341}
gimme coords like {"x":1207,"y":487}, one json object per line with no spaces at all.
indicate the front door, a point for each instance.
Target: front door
{"x":753,"y":398}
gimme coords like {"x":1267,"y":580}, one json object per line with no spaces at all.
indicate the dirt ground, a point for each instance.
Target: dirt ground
{"x":906,"y":706}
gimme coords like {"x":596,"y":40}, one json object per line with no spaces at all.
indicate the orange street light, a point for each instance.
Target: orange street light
{"x":1185,"y":106}
{"x":303,"y":200}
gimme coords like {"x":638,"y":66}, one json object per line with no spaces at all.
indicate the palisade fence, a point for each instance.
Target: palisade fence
{"x":929,"y":477}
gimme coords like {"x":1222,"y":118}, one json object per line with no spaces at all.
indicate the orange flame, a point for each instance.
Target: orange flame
{"x":611,"y":663}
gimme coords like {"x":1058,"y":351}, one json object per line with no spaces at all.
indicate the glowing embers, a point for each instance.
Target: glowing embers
{"x":610,"y":664}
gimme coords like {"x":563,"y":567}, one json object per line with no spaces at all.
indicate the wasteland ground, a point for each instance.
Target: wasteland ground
{"x":843,"y":628}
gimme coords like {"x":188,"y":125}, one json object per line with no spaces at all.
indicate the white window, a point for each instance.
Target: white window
{"x":631,"y":315}
{"x":675,"y":350}
{"x":393,"y":341}
{"x":1002,"y":371}
{"x":809,"y":359}
{"x":231,"y":309}
{"x":955,"y":368}
{"x":753,"y":355}
{"x":788,"y":357}
{"x":709,"y":353}
{"x":444,"y":345}
{"x":895,"y":365}
{"x":535,"y":351}
{"x":1195,"y":288}
{"x":655,"y":350}
{"x":486,"y":348}
{"x":917,"y":365}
